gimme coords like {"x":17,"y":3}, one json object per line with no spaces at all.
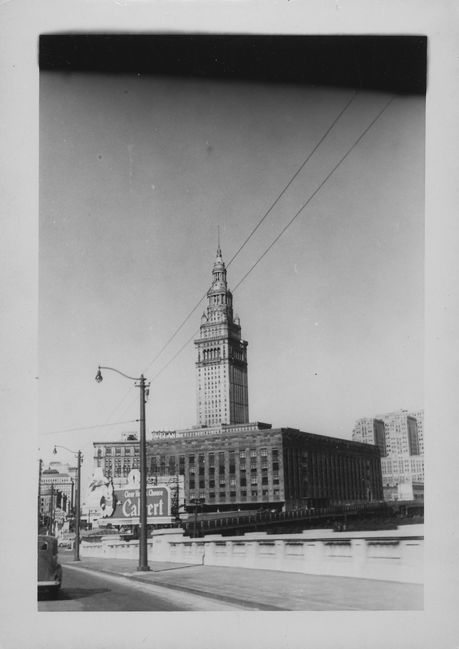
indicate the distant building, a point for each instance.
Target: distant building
{"x":419,"y":416}
{"x":57,"y":489}
{"x":371,"y":431}
{"x":405,"y":491}
{"x":402,"y":461}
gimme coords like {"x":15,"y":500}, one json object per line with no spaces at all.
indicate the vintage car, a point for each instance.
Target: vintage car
{"x":66,"y":542}
{"x":49,"y":569}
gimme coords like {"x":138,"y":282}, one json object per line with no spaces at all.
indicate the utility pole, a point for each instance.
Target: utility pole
{"x":143,"y":548}
{"x":51,"y":515}
{"x":176,"y":499}
{"x":77,"y":510}
{"x":40,"y":463}
{"x":79,"y":457}
{"x":140,"y":383}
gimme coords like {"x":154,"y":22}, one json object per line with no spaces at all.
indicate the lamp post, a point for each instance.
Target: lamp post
{"x":51,"y":513}
{"x":79,"y":456}
{"x":140,"y":383}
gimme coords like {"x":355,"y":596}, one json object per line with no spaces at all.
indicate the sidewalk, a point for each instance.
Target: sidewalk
{"x":265,"y":589}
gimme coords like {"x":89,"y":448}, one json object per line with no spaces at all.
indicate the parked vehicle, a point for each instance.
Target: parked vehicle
{"x":49,"y":568}
{"x":67,"y":540}
{"x":66,"y":543}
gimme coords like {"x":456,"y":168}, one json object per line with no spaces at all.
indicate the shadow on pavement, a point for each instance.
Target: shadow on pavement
{"x":71,"y":593}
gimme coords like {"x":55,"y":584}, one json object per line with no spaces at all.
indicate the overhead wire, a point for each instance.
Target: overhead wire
{"x":185,"y":344}
{"x":265,"y":215}
{"x":242,"y":246}
{"x":315,"y":192}
{"x":299,"y":170}
{"x":72,"y":430}
{"x":305,"y":204}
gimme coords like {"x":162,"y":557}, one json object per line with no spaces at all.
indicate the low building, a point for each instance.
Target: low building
{"x":405,"y":491}
{"x":252,"y":466}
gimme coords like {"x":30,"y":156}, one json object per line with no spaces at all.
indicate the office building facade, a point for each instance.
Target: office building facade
{"x":402,"y":462}
{"x":252,"y":466}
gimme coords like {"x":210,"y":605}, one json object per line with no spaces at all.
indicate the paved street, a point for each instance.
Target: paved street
{"x":98,"y":584}
{"x":84,"y":590}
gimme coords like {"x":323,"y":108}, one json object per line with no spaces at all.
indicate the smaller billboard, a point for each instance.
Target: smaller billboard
{"x":128,"y":503}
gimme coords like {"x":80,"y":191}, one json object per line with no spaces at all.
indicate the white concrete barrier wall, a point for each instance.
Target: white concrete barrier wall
{"x":390,"y":555}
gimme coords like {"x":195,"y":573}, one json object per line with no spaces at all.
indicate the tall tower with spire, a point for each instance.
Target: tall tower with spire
{"x":221,"y":366}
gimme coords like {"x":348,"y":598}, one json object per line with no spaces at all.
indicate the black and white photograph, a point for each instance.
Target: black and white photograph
{"x":232,"y":228}
{"x":233,"y":271}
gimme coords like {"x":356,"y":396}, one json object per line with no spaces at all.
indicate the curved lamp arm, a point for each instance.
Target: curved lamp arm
{"x":56,"y":446}
{"x":99,"y":376}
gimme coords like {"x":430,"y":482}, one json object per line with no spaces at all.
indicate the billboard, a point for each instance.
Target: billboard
{"x":127,"y":504}
{"x":120,"y":504}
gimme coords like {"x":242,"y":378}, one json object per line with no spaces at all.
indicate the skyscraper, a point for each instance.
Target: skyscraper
{"x":221,"y":366}
{"x":419,"y":416}
{"x":400,"y":434}
{"x":370,"y":431}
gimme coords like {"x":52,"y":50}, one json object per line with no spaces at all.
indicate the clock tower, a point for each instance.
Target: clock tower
{"x":221,"y":366}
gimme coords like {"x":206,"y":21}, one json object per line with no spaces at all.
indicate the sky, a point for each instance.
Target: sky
{"x":137,"y":175}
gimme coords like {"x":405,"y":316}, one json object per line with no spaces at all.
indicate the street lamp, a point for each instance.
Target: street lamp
{"x":140,"y":383}
{"x":79,"y":456}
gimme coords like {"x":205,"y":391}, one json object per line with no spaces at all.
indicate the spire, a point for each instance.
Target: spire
{"x":219,"y":264}
{"x":219,"y":252}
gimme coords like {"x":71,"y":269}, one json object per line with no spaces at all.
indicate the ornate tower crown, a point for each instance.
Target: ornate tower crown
{"x":219,"y":297}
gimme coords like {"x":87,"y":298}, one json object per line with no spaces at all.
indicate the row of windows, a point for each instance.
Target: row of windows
{"x":232,"y":483}
{"x":118,"y":472}
{"x":209,"y":354}
{"x":128,"y":450}
{"x":221,"y":495}
{"x":126,"y":465}
{"x":221,"y":469}
{"x":253,"y":453}
{"x":211,"y":457}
